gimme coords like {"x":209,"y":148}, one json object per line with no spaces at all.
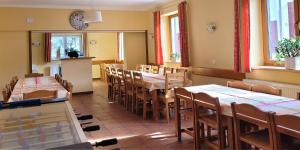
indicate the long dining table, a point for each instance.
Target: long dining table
{"x":226,"y":95}
{"x":26,"y":85}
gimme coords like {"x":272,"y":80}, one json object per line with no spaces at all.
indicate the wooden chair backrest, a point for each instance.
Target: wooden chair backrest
{"x":182,"y":93}
{"x":113,"y":71}
{"x":181,"y":69}
{"x":161,"y":70}
{"x":168,"y":70}
{"x":266,"y":89}
{"x":69,"y":87}
{"x":239,"y":85}
{"x":128,"y":80}
{"x":174,"y":80}
{"x":31,"y":75}
{"x":139,"y":68}
{"x":40,"y":94}
{"x":155,"y":69}
{"x":206,"y":101}
{"x":253,"y":115}
{"x":146,"y":68}
{"x":286,"y":124}
{"x":137,"y":79}
{"x":5,"y":94}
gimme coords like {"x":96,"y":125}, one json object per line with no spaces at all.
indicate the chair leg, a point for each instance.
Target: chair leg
{"x":144,"y":110}
{"x":168,"y":113}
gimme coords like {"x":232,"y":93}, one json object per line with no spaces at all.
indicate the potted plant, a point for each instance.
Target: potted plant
{"x":289,"y":50}
{"x":175,"y":57}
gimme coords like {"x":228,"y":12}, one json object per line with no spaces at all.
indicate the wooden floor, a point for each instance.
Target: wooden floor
{"x":131,"y":130}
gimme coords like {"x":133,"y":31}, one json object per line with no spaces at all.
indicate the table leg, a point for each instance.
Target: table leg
{"x":177,"y":119}
{"x":230,"y":133}
{"x":154,"y":105}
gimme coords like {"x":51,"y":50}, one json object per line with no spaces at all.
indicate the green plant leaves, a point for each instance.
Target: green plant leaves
{"x":288,"y":48}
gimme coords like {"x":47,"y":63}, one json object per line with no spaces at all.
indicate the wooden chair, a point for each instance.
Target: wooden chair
{"x":298,"y":95}
{"x":121,"y":87}
{"x":69,"y":88}
{"x":266,"y":89}
{"x":32,"y":75}
{"x":168,"y":70}
{"x":286,"y":131}
{"x":161,"y":70}
{"x":172,"y":80}
{"x":208,"y":113}
{"x":155,"y":69}
{"x":14,"y":81}
{"x":129,"y":86}
{"x":142,"y":95}
{"x":147,"y":68}
{"x":183,"y":96}
{"x":109,"y":81}
{"x":40,"y":94}
{"x":261,"y":139}
{"x":139,"y":67}
{"x":115,"y":85}
{"x":5,"y":94}
{"x":239,"y":85}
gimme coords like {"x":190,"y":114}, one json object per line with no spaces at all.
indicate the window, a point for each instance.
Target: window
{"x":62,"y":43}
{"x":174,"y":31}
{"x":279,"y":22}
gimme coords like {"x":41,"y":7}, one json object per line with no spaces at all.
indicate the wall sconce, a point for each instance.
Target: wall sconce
{"x":93,"y":42}
{"x":36,"y":44}
{"x":212,"y":27}
{"x":29,"y":20}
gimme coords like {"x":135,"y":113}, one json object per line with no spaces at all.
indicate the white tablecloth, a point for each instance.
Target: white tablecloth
{"x":27,"y":85}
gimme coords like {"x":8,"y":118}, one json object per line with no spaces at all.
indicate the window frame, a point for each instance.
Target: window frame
{"x":64,"y":35}
{"x":170,"y":33}
{"x":266,"y":55}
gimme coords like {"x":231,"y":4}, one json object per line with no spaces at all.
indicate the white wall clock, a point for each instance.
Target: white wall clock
{"x":76,"y":20}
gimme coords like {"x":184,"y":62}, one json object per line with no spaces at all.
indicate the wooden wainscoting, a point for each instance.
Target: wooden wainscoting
{"x":218,"y":73}
{"x":102,"y":63}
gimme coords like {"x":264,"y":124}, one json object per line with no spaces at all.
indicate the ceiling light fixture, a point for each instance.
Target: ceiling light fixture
{"x":92,"y":16}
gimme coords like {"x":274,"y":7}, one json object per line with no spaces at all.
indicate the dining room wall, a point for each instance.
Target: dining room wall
{"x":103,"y":46}
{"x":14,"y":36}
{"x":215,"y":50}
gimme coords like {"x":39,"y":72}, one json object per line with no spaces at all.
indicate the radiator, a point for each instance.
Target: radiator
{"x":288,"y":90}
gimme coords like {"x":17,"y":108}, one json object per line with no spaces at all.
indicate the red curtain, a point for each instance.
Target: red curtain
{"x":237,"y":52}
{"x":184,"y":48}
{"x":241,"y":35}
{"x":246,"y":34}
{"x":157,"y":34}
{"x":47,"y":47}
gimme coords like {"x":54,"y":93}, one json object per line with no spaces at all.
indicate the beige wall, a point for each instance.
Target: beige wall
{"x":135,"y":49}
{"x":104,"y":49}
{"x":207,"y":48}
{"x":14,"y":59}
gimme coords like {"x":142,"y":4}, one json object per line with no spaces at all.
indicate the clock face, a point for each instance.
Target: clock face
{"x":76,"y":20}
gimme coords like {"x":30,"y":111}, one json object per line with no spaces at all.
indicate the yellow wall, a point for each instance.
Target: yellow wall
{"x":217,"y":46}
{"x":104,"y":49}
{"x":14,"y":59}
{"x":135,"y":49}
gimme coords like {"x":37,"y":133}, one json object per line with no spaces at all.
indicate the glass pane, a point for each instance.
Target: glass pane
{"x":57,"y":45}
{"x":281,"y":21}
{"x":175,"y":37}
{"x":61,"y":43}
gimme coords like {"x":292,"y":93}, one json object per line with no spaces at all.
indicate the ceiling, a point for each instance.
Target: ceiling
{"x":101,"y":4}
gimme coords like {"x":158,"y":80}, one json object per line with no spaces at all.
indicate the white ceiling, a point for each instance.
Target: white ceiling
{"x":101,"y":4}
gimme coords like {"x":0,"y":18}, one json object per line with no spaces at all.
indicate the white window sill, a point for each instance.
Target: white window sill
{"x":274,"y":68}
